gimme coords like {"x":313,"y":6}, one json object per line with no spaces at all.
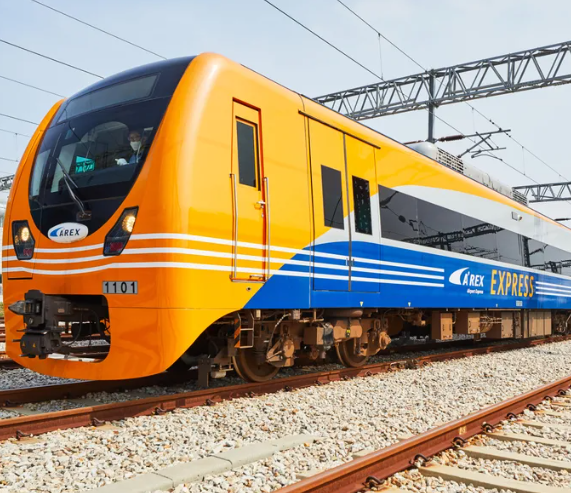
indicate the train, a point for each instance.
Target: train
{"x":192,"y":213}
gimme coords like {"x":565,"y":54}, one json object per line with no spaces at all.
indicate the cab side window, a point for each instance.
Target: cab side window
{"x":247,"y":153}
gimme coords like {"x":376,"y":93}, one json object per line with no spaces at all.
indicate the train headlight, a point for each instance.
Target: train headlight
{"x":23,"y":240}
{"x":116,"y":240}
{"x":25,"y":234}
{"x":129,"y":222}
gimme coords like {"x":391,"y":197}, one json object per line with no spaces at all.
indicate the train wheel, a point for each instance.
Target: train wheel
{"x":347,"y":356}
{"x":247,"y":366}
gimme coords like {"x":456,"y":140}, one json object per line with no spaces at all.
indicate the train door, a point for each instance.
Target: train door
{"x":365,"y":216}
{"x":250,"y":253}
{"x":332,"y":231}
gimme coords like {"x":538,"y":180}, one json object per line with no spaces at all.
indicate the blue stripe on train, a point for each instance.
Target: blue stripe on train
{"x":464,"y":283}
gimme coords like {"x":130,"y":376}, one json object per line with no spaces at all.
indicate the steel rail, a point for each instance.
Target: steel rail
{"x":26,"y":395}
{"x":353,"y":476}
{"x":95,"y":415}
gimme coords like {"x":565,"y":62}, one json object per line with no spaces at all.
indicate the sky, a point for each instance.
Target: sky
{"x":437,"y":34}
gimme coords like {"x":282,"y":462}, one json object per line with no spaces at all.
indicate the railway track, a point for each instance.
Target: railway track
{"x":26,"y":395}
{"x":369,"y":472}
{"x":34,"y":424}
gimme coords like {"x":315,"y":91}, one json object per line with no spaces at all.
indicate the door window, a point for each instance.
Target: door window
{"x":247,"y":153}
{"x":332,"y":197}
{"x":362,"y":201}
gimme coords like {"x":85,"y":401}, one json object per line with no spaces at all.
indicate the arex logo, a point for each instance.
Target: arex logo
{"x":463,"y":277}
{"x":68,"y":232}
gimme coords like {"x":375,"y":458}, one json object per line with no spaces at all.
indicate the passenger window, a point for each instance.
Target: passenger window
{"x":565,"y":263}
{"x":332,"y":197}
{"x":440,"y":227}
{"x":554,"y":259}
{"x":510,"y":247}
{"x":480,"y":238}
{"x":406,"y":218}
{"x":362,"y":200}
{"x":534,"y":254}
{"x":399,"y":219}
{"x":247,"y":153}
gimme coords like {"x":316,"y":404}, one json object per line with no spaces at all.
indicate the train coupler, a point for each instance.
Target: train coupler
{"x":40,"y":343}
{"x":39,"y":339}
{"x":57,"y":324}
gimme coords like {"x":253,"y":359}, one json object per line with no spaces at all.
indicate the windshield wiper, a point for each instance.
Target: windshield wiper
{"x":83,"y":214}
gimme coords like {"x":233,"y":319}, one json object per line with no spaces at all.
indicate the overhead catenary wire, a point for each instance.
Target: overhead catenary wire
{"x":381,"y":35}
{"x":14,"y":45}
{"x":466,"y":102}
{"x":324,"y":40}
{"x":381,"y":78}
{"x":354,"y":60}
{"x":520,"y":144}
{"x":151,"y":52}
{"x":31,"y":86}
{"x":15,"y":133}
{"x":19,"y":119}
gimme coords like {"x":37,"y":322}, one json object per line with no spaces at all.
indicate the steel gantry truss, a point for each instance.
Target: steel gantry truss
{"x":548,"y":192}
{"x":520,"y":71}
{"x":6,"y":182}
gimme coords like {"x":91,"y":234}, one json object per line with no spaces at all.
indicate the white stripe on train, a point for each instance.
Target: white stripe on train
{"x":386,"y":242}
{"x":544,"y":293}
{"x":558,"y":286}
{"x":219,"y":241}
{"x":223,"y":268}
{"x":208,"y":253}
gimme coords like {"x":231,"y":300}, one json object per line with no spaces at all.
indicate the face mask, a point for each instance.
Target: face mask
{"x":136,"y":145}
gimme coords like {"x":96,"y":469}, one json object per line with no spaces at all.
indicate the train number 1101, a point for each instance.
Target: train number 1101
{"x":120,"y":287}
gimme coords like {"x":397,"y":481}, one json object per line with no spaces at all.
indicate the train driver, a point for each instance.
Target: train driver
{"x":137,"y":143}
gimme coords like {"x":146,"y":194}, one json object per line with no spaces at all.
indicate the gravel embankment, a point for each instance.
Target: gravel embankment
{"x":22,"y":377}
{"x":366,"y":413}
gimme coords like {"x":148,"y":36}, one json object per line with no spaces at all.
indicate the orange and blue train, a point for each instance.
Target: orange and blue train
{"x":192,"y":212}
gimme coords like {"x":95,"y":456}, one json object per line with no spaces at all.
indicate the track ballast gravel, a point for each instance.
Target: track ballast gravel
{"x":365,"y":413}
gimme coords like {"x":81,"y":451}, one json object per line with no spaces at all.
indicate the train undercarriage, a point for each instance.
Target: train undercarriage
{"x":257,"y":343}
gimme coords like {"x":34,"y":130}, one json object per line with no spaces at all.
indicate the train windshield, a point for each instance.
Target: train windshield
{"x":101,"y":152}
{"x":97,"y":143}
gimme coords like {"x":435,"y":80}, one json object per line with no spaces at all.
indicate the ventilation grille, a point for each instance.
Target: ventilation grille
{"x":519,"y":197}
{"x":450,"y":160}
